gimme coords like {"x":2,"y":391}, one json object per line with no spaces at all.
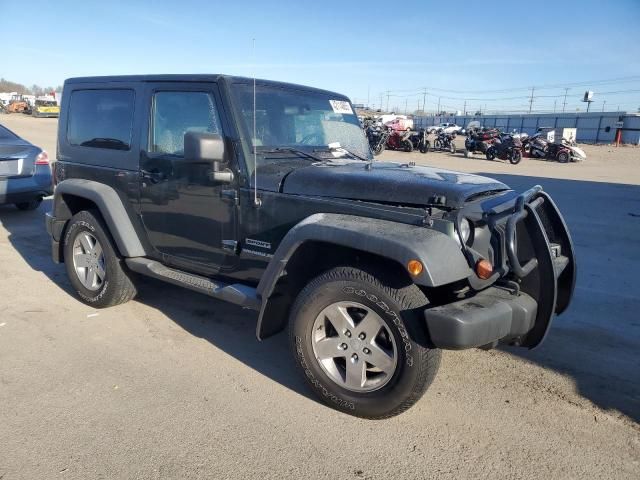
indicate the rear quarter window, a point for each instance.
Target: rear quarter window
{"x":101,"y":118}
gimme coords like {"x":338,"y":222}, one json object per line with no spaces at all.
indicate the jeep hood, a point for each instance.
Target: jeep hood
{"x":384,"y":182}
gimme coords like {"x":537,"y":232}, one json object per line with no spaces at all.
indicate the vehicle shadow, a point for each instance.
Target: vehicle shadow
{"x":28,"y":235}
{"x":597,"y":341}
{"x":226,"y":326}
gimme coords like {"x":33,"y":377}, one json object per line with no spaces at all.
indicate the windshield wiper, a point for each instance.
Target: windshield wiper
{"x":294,"y":151}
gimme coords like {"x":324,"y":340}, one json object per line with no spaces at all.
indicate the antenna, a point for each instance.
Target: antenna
{"x":256,"y":200}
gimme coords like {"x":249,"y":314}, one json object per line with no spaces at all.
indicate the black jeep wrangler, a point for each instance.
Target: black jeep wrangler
{"x":266,"y":195}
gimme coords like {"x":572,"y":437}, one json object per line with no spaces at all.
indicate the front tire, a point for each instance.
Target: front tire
{"x":491,"y":153}
{"x":95,"y":270}
{"x":359,"y":342}
{"x":515,"y":157}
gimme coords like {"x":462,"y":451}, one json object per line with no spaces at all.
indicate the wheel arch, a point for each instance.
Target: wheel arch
{"x":323,"y":241}
{"x":74,"y":195}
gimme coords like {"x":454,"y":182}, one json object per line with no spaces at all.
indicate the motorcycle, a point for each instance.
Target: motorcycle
{"x":420,"y":141}
{"x":506,"y":147}
{"x":444,"y":141}
{"x":540,"y":147}
{"x":399,"y":140}
{"x":377,"y":137}
{"x":478,"y":140}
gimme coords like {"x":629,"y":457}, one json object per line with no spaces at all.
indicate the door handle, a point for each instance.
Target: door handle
{"x":153,"y":176}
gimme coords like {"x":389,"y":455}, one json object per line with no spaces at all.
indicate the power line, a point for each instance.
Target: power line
{"x":633,"y":78}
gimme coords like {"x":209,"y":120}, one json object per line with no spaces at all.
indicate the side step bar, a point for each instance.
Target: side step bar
{"x":236,"y":293}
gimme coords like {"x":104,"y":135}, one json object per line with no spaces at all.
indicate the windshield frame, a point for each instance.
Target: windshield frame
{"x":245,"y":136}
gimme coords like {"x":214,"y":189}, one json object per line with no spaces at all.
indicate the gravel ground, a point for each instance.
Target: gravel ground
{"x":174,"y":384}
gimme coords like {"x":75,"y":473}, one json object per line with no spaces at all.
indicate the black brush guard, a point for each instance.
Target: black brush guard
{"x":538,"y":273}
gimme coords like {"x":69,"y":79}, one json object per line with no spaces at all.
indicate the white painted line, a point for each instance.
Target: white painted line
{"x":92,"y":315}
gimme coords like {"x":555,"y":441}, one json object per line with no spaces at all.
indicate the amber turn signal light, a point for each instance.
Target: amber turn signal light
{"x":484,"y":269}
{"x":415,"y":267}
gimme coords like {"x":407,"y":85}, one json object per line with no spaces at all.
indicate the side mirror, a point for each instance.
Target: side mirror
{"x":203,"y":147}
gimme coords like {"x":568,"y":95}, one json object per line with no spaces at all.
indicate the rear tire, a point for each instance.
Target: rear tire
{"x":424,"y":146}
{"x":491,"y":153}
{"x":437,"y":144}
{"x":30,"y":205}
{"x":368,"y":305}
{"x":95,"y":270}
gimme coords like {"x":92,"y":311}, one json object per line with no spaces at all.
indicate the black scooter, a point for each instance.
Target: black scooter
{"x":444,"y":141}
{"x":420,"y":141}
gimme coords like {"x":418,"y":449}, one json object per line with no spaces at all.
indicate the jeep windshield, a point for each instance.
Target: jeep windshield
{"x":290,"y":120}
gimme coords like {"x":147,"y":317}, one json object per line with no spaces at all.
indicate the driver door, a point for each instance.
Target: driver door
{"x":186,"y":215}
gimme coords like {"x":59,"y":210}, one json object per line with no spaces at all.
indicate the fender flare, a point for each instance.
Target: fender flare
{"x":110,"y":206}
{"x":440,"y":255}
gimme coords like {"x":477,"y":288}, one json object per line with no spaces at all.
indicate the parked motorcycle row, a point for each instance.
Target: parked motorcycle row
{"x":514,"y":146}
{"x":382,"y":137}
{"x":490,"y":142}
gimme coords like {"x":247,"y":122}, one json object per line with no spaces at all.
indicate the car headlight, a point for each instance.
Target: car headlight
{"x":465,"y":230}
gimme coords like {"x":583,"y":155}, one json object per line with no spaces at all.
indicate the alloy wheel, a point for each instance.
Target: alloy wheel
{"x":88,"y":261}
{"x":354,"y":346}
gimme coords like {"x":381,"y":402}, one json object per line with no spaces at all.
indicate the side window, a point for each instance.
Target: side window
{"x":101,"y":118}
{"x":175,"y":113}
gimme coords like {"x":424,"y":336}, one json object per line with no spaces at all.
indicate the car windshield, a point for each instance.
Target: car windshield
{"x":304,"y":120}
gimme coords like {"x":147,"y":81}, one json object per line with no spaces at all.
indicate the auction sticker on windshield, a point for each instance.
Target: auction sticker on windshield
{"x":340,"y":106}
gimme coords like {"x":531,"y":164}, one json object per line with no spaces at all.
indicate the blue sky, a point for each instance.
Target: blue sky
{"x":467,"y":50}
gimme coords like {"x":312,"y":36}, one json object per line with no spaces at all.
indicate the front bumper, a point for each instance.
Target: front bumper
{"x":538,"y":277}
{"x":489,"y":316}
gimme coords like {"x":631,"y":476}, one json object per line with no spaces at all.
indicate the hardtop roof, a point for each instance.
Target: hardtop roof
{"x":199,"y":77}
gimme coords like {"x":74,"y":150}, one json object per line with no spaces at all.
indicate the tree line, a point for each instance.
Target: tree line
{"x":37,"y":90}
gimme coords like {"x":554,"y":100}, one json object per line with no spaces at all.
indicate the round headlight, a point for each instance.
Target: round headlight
{"x":465,"y":230}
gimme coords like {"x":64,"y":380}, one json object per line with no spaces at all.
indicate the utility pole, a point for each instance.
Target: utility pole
{"x":533,"y":89}
{"x":381,"y":99}
{"x":564,"y":103}
{"x":464,"y":109}
{"x":438,"y":112}
{"x":424,"y":101}
{"x":368,"y":95}
{"x":603,"y":104}
{"x":554,"y":106}
{"x":406,"y":102}
{"x":388,"y":91}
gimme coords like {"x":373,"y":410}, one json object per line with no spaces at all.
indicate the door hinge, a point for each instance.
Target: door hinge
{"x":230,"y":246}
{"x":229,"y":195}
